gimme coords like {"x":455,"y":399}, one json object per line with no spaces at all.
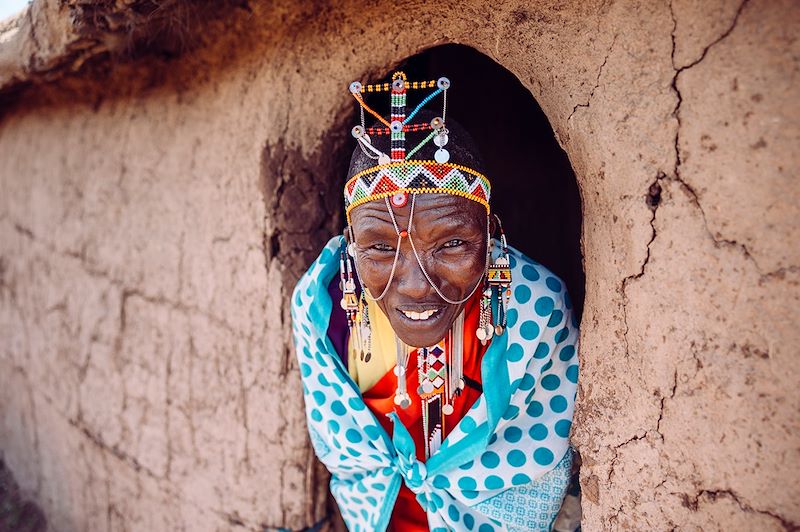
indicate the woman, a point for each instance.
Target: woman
{"x":439,"y":366}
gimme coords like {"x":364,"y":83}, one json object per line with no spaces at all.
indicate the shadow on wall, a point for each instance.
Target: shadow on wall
{"x":534,"y":190}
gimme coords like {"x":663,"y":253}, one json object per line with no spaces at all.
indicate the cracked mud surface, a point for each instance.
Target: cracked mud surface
{"x":157,"y":212}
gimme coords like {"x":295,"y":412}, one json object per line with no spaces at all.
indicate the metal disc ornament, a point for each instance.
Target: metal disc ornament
{"x":427,"y":387}
{"x":481,"y":333}
{"x":447,"y":410}
{"x":400,"y":199}
{"x":440,"y":140}
{"x":441,"y":156}
{"x":384,"y":159}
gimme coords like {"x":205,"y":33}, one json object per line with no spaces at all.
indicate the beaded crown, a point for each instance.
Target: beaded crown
{"x":396,"y":174}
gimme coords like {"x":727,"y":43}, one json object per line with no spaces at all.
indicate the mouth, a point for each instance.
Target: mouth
{"x":421,"y":315}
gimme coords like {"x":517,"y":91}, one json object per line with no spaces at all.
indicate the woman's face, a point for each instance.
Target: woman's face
{"x":449,"y":233}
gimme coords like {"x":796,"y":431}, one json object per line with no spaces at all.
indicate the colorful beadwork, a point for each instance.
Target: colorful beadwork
{"x":415,"y":177}
{"x":396,"y":172}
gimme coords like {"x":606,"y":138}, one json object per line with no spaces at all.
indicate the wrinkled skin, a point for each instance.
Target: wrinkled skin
{"x":449,"y":233}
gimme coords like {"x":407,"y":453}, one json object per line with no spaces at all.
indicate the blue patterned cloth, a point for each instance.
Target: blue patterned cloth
{"x":506,"y":456}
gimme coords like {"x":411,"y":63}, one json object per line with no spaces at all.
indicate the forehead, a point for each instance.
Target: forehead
{"x":434,"y":207}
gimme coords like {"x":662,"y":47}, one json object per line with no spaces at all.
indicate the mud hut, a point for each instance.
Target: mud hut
{"x":168,"y":168}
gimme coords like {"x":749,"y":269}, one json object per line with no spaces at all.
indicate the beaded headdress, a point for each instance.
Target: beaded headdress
{"x":396,"y":174}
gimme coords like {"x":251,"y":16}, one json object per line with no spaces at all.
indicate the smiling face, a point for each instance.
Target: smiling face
{"x":449,"y":233}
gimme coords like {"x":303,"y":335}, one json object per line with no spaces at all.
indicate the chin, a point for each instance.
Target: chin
{"x":422,"y":336}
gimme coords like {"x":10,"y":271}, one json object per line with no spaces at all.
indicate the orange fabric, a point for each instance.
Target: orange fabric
{"x":408,"y":515}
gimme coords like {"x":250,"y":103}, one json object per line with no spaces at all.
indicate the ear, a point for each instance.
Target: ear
{"x":493,"y":221}
{"x":348,"y":234}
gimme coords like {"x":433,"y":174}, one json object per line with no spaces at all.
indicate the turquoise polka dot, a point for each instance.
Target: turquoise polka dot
{"x":305,"y":370}
{"x":558,"y":403}
{"x":307,"y":331}
{"x":490,"y":460}
{"x":553,"y":284}
{"x":548,"y":365}
{"x":529,"y":330}
{"x":527,"y":382}
{"x":441,"y":482}
{"x":312,"y":287}
{"x":544,"y":306}
{"x":319,"y":397}
{"x":337,"y":388}
{"x":372,"y":500}
{"x":535,"y":409}
{"x":543,"y":456}
{"x":574,"y":321}
{"x":542,"y":350}
{"x":380,"y":486}
{"x":353,"y":452}
{"x":316,"y":415}
{"x":353,"y":436}
{"x":321,"y":346}
{"x":511,"y":413}
{"x":372,"y":432}
{"x":572,"y":373}
{"x":436,"y":501}
{"x":555,"y":318}
{"x":298,"y":302}
{"x":467,"y":424}
{"x":530,"y":273}
{"x":356,"y":403}
{"x":551,"y":382}
{"x":562,"y":335}
{"x":567,"y":301}
{"x":522,"y":293}
{"x":326,"y":256}
{"x":333,"y":426}
{"x":514,"y":353}
{"x":486,"y":527}
{"x":338,"y":408}
{"x":469,"y":521}
{"x":567,"y":353}
{"x":470,"y":494}
{"x":360,"y":485}
{"x":467,"y":483}
{"x":562,"y":428}
{"x":320,"y":360}
{"x":466,"y":466}
{"x":512,"y":434}
{"x":516,"y":458}
{"x":520,"y":479}
{"x":306,"y":350}
{"x":322,"y":380}
{"x":493,"y":482}
{"x":512,"y":261}
{"x":453,"y":513}
{"x":511,"y":317}
{"x":538,"y":432}
{"x":493,"y":439}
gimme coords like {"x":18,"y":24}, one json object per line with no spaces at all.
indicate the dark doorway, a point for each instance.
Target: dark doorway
{"x":533,"y":186}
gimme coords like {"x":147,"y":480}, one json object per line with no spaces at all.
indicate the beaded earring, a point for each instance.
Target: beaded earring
{"x":497,"y":292}
{"x":356,"y":308}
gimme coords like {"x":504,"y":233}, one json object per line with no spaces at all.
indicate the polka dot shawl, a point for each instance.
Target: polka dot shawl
{"x":515,"y":433}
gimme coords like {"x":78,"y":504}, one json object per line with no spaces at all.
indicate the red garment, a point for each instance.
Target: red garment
{"x":408,"y":515}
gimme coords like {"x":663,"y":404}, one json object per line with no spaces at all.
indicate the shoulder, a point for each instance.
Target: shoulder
{"x":534,"y":284}
{"x":321,"y":270}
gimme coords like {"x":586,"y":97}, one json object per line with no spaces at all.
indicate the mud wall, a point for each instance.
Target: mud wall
{"x":155,"y":214}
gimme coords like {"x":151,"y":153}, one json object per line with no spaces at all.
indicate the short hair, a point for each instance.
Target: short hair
{"x":461,"y":146}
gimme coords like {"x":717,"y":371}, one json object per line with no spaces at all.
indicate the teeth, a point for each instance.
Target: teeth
{"x":424,"y":315}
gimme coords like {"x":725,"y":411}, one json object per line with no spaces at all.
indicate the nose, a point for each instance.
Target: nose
{"x":411,"y":282}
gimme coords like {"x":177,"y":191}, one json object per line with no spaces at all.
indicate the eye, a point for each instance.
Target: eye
{"x":382,"y":247}
{"x":453,"y":243}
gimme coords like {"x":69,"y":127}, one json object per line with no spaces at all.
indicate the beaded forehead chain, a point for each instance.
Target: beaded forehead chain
{"x":396,"y":174}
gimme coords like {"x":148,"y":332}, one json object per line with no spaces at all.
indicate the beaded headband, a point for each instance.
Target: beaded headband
{"x":396,"y":175}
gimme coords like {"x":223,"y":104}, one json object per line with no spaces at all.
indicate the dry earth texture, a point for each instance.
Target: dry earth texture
{"x":168,"y":168}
